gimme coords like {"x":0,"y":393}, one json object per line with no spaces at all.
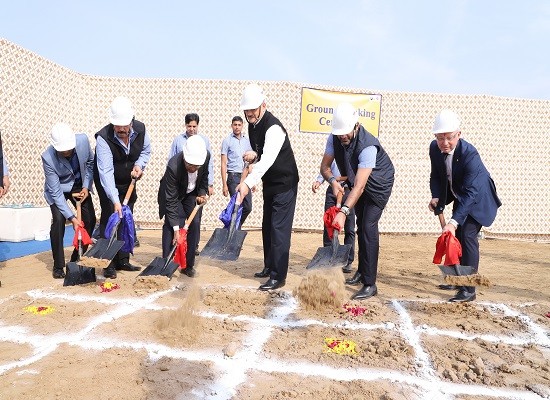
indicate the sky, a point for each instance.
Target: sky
{"x":493,"y":47}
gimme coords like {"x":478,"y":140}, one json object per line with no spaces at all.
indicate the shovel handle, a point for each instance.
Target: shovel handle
{"x":129,"y":191}
{"x":191,"y":216}
{"x":442,"y":220}
{"x":339,"y":198}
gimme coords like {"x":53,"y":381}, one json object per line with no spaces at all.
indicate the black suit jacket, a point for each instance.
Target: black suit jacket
{"x":173,"y":186}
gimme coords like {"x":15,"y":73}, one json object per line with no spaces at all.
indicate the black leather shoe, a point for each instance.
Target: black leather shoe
{"x":58,"y":273}
{"x":127,"y":267}
{"x":346,"y":269}
{"x":447,"y":287}
{"x":189,"y":271}
{"x":109,"y":272}
{"x":463,"y":297}
{"x":264,"y":274}
{"x":365,"y":292}
{"x":355,"y":280}
{"x":272,"y":284}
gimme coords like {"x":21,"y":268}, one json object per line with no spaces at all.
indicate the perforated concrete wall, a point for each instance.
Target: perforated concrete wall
{"x":512,"y":136}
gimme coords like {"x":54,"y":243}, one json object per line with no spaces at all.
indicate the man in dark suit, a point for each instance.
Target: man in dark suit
{"x":184,"y":184}
{"x":458,"y":176}
{"x":68,"y":168}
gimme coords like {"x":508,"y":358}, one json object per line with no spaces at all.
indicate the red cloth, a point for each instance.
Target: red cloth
{"x":447,"y":245}
{"x":328,"y":218}
{"x":86,"y":240}
{"x":180,"y":256}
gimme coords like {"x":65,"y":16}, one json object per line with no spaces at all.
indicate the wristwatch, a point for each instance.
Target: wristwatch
{"x":345,"y":210}
{"x":331,"y":179}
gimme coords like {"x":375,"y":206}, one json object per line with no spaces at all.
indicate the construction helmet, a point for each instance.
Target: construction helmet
{"x":344,"y":119}
{"x":121,"y":111}
{"x":62,"y":137}
{"x":446,"y":121}
{"x":253,"y":97}
{"x":194,"y":151}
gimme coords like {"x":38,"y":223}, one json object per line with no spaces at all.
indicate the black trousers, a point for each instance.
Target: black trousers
{"x":184,"y":209}
{"x":276,"y":230}
{"x":57,"y":229}
{"x":107,"y":209}
{"x":233,"y":179}
{"x":368,"y":237}
{"x":349,"y":227}
{"x":467,"y":236}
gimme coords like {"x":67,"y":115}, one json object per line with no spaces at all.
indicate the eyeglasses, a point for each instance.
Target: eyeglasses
{"x":442,"y":139}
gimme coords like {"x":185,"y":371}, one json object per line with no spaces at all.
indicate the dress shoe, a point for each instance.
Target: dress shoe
{"x":447,"y":287}
{"x":272,"y":284}
{"x":463,"y":297}
{"x":355,"y":280}
{"x":263,"y":274}
{"x":58,"y":273}
{"x":365,"y":292}
{"x":109,"y":272}
{"x":189,"y":271}
{"x":127,"y":267}
{"x":346,"y":269}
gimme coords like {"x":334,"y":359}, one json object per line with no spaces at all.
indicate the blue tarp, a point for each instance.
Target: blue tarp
{"x":9,"y":250}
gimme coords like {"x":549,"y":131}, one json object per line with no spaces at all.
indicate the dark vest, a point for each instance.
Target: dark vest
{"x":122,"y":163}
{"x":380,"y":182}
{"x":283,"y":174}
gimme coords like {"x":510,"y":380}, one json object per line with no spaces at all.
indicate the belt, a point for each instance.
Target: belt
{"x":234,"y":173}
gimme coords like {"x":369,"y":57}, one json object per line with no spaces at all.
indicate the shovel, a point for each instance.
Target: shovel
{"x":75,"y":273}
{"x":103,"y":252}
{"x":335,"y":255}
{"x":460,"y":275}
{"x":226,"y":244}
{"x":165,"y":266}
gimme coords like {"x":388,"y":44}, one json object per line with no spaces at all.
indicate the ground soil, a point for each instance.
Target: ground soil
{"x":216,"y":336}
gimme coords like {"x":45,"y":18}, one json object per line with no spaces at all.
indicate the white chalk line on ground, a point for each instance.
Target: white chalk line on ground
{"x":234,"y":370}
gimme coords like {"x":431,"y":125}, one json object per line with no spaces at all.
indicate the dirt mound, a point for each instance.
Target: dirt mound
{"x":321,"y":288}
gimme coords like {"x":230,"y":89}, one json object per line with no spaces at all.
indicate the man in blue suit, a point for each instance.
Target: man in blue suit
{"x":68,"y":167}
{"x":458,"y":176}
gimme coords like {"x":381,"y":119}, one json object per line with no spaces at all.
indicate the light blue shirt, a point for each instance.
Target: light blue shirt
{"x":5,"y":166}
{"x":335,"y":172}
{"x":177,"y":147}
{"x":367,"y":158}
{"x":234,"y":148}
{"x":105,"y":162}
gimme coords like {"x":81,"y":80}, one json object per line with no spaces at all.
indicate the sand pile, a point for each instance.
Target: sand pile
{"x":182,"y":323}
{"x":321,"y":288}
{"x":467,"y":280}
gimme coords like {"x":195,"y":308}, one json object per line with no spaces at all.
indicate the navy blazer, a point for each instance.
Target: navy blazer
{"x":59,"y":173}
{"x":173,"y":186}
{"x":476,"y":194}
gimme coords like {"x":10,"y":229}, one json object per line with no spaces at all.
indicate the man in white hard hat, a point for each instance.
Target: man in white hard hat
{"x":370,"y":174}
{"x":191,"y":129}
{"x":68,"y":168}
{"x":4,"y":172}
{"x":459,"y":176}
{"x":123,"y":149}
{"x":184,"y":184}
{"x":275,"y":166}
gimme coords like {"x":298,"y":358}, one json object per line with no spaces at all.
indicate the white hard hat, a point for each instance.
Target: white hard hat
{"x":253,"y":97}
{"x":446,"y":121}
{"x":194,"y":151}
{"x":62,"y":137}
{"x":121,"y":111}
{"x":344,"y":119}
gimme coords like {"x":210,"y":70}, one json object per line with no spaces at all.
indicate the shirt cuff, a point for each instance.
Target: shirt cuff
{"x":176,"y":228}
{"x":453,"y":223}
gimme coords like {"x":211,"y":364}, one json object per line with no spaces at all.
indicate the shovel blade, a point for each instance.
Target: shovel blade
{"x":78,"y":275}
{"x":232,"y":248}
{"x":159,"y":267}
{"x":456,"y":270}
{"x":215,"y":243}
{"x":103,"y":251}
{"x":326,"y":257}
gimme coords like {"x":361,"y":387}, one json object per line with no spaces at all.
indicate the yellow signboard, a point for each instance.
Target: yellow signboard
{"x":318,"y":107}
